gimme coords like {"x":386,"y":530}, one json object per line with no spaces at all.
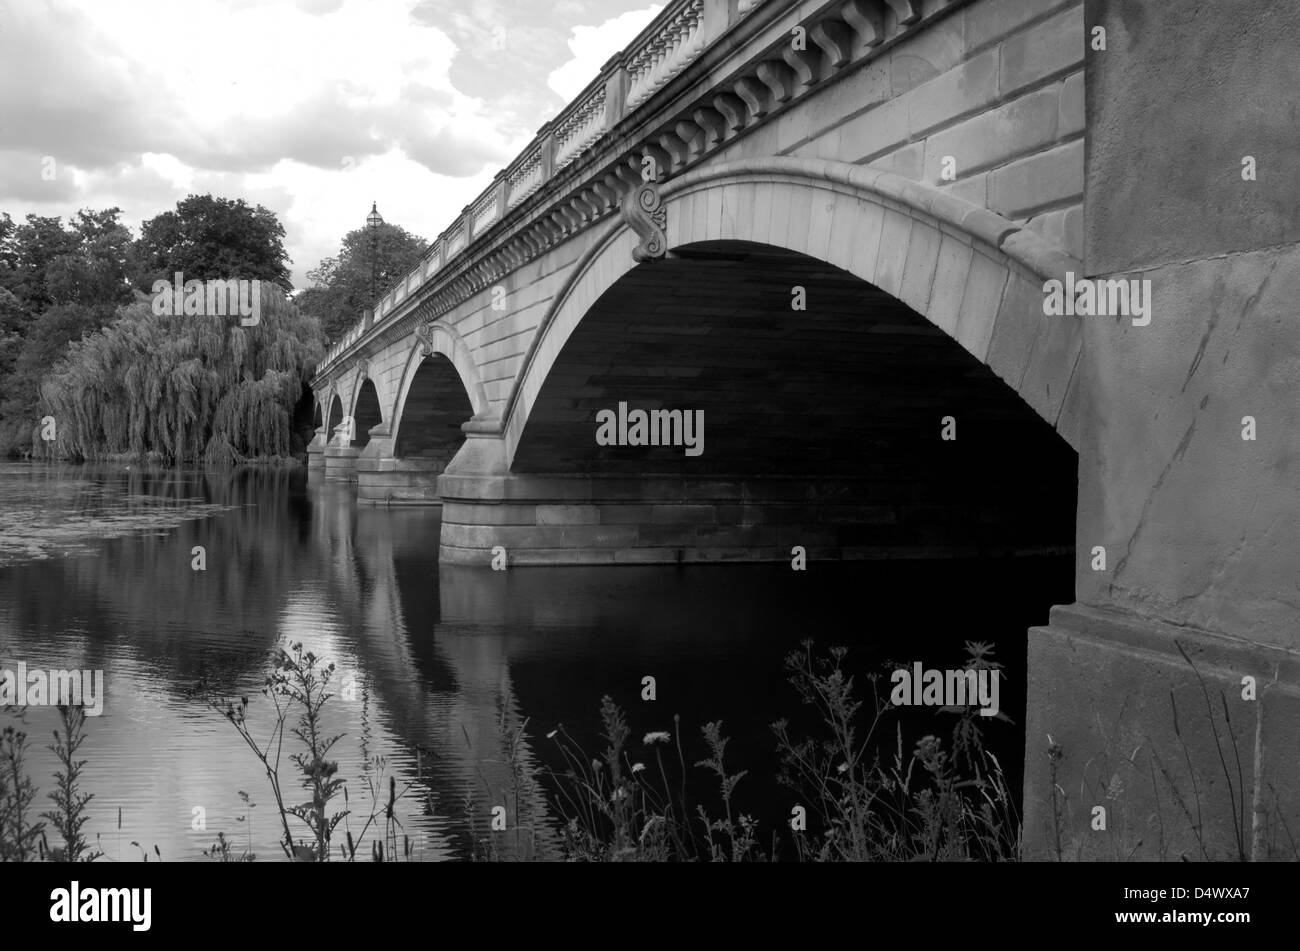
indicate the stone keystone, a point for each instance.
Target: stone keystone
{"x":644,"y":213}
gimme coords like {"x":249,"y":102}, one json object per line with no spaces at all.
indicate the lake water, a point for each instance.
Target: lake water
{"x":437,"y":666}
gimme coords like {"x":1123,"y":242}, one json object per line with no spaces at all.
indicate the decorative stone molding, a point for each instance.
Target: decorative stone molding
{"x":424,"y":333}
{"x":644,"y":213}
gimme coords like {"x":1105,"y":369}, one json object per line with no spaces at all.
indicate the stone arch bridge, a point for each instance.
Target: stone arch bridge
{"x":829,"y":228}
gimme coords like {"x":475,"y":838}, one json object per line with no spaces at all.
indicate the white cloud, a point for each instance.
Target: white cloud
{"x":314,"y":108}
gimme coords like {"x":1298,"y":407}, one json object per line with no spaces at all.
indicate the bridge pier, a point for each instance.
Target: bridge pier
{"x":383,"y":479}
{"x":340,"y":463}
{"x":583,"y":519}
{"x":316,"y":453}
{"x":592,"y":518}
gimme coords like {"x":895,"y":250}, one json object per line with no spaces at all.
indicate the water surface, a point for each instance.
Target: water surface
{"x":437,"y":666}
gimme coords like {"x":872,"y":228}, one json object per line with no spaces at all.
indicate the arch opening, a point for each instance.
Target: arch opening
{"x":436,"y":405}
{"x":366,"y":414}
{"x":828,"y":420}
{"x":306,"y":417}
{"x":335,"y":415}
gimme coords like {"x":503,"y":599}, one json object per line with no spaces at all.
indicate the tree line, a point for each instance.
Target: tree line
{"x":81,"y":344}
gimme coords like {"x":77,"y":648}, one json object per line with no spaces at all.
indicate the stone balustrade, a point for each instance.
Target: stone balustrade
{"x":525,"y":179}
{"x":485,"y":211}
{"x":667,"y":52}
{"x":580,"y":129}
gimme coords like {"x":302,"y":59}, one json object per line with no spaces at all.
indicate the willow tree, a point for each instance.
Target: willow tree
{"x":184,"y":388}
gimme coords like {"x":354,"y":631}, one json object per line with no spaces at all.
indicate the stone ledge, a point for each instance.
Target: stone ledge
{"x":1221,"y":654}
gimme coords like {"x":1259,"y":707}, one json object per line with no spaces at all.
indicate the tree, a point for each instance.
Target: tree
{"x":44,"y":263}
{"x":56,"y":284}
{"x":341,"y":289}
{"x":45,"y":341}
{"x":209,"y":238}
{"x":96,"y":272}
{"x":28,"y":250}
{"x":8,"y":259}
{"x":196,"y":388}
{"x":14,"y":318}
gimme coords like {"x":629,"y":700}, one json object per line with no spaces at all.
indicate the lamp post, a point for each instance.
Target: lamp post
{"x":373,"y":221}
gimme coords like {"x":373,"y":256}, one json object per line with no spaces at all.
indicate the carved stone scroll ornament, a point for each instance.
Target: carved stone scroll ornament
{"x":424,"y":333}
{"x":644,"y":213}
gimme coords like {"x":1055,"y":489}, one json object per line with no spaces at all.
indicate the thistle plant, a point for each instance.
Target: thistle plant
{"x":69,"y":813}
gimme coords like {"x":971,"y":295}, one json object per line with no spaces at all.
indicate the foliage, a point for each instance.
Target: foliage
{"x":299,"y":683}
{"x":26,"y":253}
{"x":305,"y":684}
{"x":184,"y":387}
{"x":57,"y":283}
{"x":19,"y":836}
{"x":341,"y":285}
{"x":209,"y":238}
{"x":934,"y":804}
{"x":69,"y":813}
{"x":46,"y":341}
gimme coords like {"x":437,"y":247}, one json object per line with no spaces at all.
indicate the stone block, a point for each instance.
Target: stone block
{"x":1047,"y":49}
{"x":1049,"y":178}
{"x":962,"y":90}
{"x":1024,"y":125}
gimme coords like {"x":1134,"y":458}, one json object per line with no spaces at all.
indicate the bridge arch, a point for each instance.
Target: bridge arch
{"x":360,"y":378}
{"x":334,"y":411}
{"x":972,"y":273}
{"x":367,"y":409}
{"x":446,"y":343}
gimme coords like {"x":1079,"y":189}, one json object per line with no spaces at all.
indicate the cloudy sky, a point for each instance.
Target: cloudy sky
{"x":313,"y":108}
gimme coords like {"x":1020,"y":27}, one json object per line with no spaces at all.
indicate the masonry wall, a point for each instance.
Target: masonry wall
{"x":998,"y":86}
{"x":1195,"y":612}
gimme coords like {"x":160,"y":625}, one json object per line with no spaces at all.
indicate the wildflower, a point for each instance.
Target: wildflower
{"x":658,"y":736}
{"x":637,"y":767}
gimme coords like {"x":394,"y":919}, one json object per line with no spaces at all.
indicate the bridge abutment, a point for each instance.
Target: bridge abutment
{"x":1164,"y":706}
